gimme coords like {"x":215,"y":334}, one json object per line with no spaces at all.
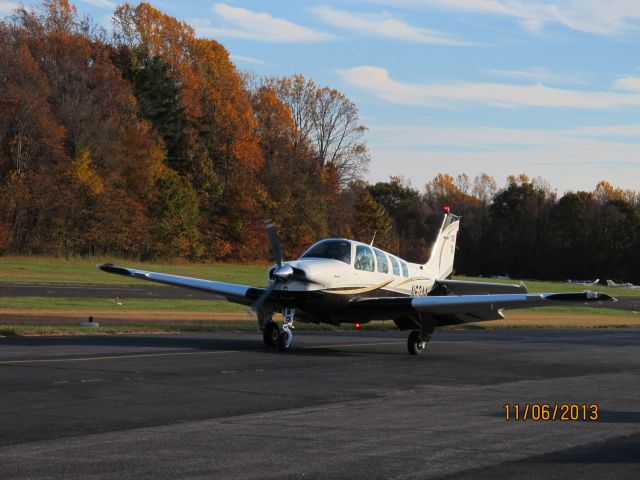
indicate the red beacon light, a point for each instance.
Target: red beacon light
{"x":357,"y":325}
{"x":446,"y":209}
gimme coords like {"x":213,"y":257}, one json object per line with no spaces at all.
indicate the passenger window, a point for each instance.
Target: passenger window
{"x":395,"y":266}
{"x":381,"y":258}
{"x":405,"y":270}
{"x":364,"y":259}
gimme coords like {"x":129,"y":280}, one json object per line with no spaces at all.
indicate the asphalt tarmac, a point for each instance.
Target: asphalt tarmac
{"x":340,"y":405}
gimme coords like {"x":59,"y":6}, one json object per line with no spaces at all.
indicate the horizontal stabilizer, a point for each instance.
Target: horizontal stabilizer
{"x":461,"y":287}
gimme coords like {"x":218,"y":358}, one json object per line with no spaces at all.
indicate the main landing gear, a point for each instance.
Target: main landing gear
{"x":422,"y":327}
{"x":276,"y":336}
{"x":417,"y":342}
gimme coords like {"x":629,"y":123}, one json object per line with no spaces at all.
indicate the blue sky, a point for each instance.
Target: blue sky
{"x":549,"y":88}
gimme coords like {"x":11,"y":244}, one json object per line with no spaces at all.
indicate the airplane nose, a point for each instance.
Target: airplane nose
{"x":283,"y":273}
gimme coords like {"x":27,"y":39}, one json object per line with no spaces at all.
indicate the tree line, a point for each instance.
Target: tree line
{"x":147,"y":142}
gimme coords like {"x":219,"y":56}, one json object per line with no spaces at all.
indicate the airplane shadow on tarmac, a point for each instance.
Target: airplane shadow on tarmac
{"x":145,"y":341}
{"x":190,"y":343}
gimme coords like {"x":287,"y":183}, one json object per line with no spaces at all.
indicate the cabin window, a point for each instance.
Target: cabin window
{"x":333,"y":249}
{"x":364,"y":258}
{"x":381,"y":259}
{"x":395,"y":266}
{"x":405,"y":269}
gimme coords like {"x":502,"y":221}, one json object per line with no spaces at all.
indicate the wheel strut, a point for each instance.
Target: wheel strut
{"x":286,"y":335}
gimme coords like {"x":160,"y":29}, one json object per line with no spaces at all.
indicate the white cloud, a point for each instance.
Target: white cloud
{"x":628,"y":83}
{"x":246,"y":24}
{"x":606,"y":131}
{"x":7,"y":8}
{"x":601,"y":17}
{"x":101,"y":3}
{"x":376,"y":81}
{"x":481,"y":138}
{"x":570,"y":159}
{"x":536,"y":74}
{"x":384,"y":25}
{"x":246,"y":59}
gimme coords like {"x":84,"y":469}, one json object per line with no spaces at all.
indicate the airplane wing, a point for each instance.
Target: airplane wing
{"x":231,"y":291}
{"x":455,"y":309}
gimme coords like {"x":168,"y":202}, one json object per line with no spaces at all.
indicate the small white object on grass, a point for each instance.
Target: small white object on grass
{"x":90,"y":323}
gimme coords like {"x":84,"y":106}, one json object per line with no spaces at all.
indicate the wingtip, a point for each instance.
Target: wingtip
{"x":111,"y":268}
{"x":599,"y":296}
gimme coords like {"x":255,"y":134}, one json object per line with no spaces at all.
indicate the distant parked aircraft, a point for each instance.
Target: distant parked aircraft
{"x":589,"y":283}
{"x":612,"y":284}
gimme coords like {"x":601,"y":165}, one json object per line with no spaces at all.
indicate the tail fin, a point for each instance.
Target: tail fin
{"x":440,"y":263}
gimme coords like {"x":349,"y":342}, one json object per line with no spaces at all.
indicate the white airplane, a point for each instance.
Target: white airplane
{"x":344,"y":281}
{"x":612,"y":284}
{"x":588,"y":283}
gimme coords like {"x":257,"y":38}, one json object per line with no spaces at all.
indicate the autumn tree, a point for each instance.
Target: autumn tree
{"x":176,"y":218}
{"x":371,"y":219}
{"x":158,"y":99}
{"x":160,"y":35}
{"x":29,"y":132}
{"x":411,"y":236}
{"x":290,"y":175}
{"x":328,"y":120}
{"x":518,"y":216}
{"x":88,"y":117}
{"x":571,"y":241}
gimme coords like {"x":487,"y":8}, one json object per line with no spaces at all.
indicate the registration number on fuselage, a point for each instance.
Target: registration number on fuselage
{"x":419,"y":290}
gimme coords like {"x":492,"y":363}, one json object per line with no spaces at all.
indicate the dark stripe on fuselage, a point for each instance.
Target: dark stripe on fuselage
{"x":325,"y":306}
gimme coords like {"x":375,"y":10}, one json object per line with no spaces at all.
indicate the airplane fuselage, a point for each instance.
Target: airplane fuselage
{"x":320,"y":287}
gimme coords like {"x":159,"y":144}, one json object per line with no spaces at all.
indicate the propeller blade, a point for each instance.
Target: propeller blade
{"x":264,"y":297}
{"x":276,"y":251}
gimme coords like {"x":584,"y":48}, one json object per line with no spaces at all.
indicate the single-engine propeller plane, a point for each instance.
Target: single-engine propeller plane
{"x":587,"y":283}
{"x":344,"y":281}
{"x":612,"y":284}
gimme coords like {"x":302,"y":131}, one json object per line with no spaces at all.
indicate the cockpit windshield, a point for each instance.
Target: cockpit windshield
{"x":333,"y":249}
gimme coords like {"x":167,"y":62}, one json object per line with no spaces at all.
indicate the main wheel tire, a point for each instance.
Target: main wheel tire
{"x":270,"y":334}
{"x":415,"y":344}
{"x":285,"y":339}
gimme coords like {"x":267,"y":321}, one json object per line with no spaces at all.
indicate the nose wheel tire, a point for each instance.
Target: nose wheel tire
{"x":284,"y":340}
{"x":270,"y":334}
{"x":415,"y":344}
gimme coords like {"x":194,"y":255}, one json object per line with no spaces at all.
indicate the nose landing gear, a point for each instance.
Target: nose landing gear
{"x":273,"y":336}
{"x":286,"y":335}
{"x":270,"y":334}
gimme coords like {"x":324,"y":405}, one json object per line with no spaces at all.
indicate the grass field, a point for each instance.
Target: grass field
{"x":48,"y":315}
{"x":107,"y":305}
{"x":31,"y":270}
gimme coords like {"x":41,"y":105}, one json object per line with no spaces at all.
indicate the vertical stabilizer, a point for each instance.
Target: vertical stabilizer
{"x":440,"y":263}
